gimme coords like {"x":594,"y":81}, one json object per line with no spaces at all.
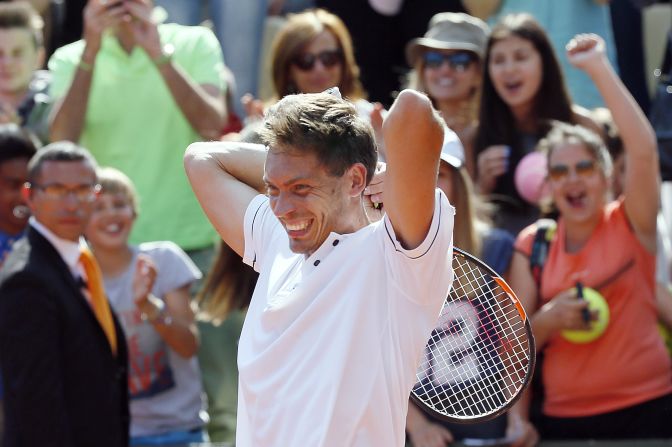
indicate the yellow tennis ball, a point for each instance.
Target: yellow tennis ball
{"x":667,"y":337}
{"x":596,"y":302}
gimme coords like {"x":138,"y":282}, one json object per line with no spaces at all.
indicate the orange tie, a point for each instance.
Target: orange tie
{"x":99,"y":304}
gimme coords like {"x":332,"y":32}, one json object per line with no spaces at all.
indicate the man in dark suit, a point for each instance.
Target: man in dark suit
{"x":63,"y":365}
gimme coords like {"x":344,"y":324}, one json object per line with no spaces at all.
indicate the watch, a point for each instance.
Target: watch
{"x":167,"y":52}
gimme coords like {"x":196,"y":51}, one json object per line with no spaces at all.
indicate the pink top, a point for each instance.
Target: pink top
{"x":628,"y":364}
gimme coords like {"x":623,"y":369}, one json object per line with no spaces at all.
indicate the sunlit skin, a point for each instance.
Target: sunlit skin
{"x":13,"y":174}
{"x":319,"y":78}
{"x":19,"y":58}
{"x":579,"y":198}
{"x":111,"y":222}
{"x":309,"y":202}
{"x":516,"y":71}
{"x":447,"y":86}
{"x":66,"y":218}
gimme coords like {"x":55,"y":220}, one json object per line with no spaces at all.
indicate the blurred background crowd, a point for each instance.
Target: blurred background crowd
{"x":136,"y":81}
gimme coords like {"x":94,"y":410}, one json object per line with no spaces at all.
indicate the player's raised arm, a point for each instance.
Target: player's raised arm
{"x":225,"y":177}
{"x":413,"y":136}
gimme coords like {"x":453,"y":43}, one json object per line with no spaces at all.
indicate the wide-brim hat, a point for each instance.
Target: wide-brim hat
{"x":450,"y":31}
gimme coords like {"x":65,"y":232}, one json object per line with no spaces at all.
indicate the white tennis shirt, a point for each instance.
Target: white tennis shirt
{"x":330,"y":344}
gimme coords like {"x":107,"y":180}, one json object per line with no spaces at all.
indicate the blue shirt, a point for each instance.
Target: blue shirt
{"x":6,"y":242}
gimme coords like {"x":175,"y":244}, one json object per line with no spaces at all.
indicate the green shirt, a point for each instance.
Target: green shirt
{"x":133,"y":124}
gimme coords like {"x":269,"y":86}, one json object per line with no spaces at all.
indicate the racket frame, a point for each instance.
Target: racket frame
{"x":531,"y":352}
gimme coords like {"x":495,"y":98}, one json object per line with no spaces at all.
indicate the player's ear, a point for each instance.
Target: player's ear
{"x":357,"y":179}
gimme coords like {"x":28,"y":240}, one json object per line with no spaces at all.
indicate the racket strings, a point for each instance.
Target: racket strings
{"x":477,"y":359}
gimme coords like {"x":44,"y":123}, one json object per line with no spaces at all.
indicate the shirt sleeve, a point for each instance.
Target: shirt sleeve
{"x":525,"y":240}
{"x":430,"y":262}
{"x":62,"y":66}
{"x":201,"y":57}
{"x":261,"y":229}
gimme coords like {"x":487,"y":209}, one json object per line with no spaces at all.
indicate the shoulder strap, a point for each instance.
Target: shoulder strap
{"x":542,"y":239}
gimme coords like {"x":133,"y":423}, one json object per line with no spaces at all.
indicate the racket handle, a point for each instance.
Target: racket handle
{"x":585,"y":313}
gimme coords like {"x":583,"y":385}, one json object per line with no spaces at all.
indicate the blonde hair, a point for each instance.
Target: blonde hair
{"x":465,"y":234}
{"x":113,"y":181}
{"x":296,"y":34}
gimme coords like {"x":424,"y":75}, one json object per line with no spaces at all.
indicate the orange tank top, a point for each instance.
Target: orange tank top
{"x":628,"y":364}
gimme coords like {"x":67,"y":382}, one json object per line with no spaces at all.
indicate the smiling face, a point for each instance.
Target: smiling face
{"x":579,"y":193}
{"x":448,"y":83}
{"x":309,"y":202}
{"x":321,"y":76}
{"x":516,"y":70}
{"x":111,"y":221}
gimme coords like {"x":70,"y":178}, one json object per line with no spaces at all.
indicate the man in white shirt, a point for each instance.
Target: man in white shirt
{"x":64,"y":378}
{"x":343,"y":307}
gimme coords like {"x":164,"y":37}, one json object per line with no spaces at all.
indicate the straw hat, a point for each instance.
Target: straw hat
{"x":450,"y":31}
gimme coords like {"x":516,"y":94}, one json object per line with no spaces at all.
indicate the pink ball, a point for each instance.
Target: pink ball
{"x":530,"y":177}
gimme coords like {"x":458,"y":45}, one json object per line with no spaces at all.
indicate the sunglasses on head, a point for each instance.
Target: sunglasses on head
{"x":457,"y":61}
{"x":328,"y":58}
{"x":559,"y":172}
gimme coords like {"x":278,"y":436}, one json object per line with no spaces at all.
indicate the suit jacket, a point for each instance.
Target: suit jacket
{"x":63,"y":385}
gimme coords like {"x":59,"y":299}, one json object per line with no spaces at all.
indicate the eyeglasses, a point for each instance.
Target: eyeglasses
{"x":57,"y":191}
{"x":329,"y":58}
{"x":457,"y":61}
{"x":560,"y":172}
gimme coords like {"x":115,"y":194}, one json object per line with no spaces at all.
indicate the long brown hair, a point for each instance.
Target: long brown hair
{"x":296,"y":34}
{"x":552,"y":101}
{"x":472,"y":214}
{"x":227,"y":287}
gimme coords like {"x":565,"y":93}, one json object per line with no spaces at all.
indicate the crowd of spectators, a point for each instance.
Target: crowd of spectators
{"x":143,"y":79}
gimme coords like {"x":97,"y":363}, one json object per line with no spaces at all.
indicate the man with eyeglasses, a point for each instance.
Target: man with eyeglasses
{"x":63,"y":353}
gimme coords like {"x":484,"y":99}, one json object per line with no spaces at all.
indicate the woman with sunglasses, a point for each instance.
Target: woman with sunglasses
{"x":523,"y":88}
{"x":618,"y":385}
{"x":447,"y":67}
{"x":311,"y":53}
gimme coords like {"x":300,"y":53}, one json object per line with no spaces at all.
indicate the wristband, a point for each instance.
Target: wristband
{"x":166,"y":55}
{"x":85,"y":66}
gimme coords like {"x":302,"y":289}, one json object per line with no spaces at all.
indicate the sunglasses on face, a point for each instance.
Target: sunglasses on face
{"x":328,"y":58}
{"x":456,"y":61}
{"x":560,"y":172}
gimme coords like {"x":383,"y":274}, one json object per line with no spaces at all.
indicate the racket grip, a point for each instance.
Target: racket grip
{"x":585,"y":313}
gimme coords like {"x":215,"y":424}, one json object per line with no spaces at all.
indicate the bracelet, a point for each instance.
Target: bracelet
{"x":85,"y":66}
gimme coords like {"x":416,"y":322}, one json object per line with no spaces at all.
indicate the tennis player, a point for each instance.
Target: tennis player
{"x":343,"y":307}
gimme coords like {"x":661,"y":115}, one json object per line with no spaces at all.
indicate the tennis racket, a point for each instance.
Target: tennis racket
{"x":480,"y":357}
